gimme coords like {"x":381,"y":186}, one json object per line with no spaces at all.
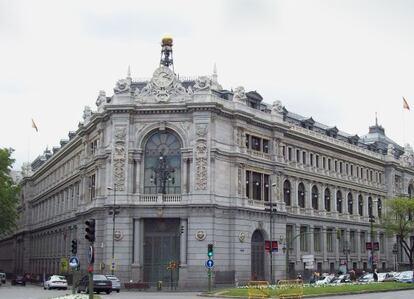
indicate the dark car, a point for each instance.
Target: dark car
{"x":18,"y":279}
{"x":100,"y":284}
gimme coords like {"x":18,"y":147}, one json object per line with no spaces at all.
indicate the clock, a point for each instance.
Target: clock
{"x":163,"y":77}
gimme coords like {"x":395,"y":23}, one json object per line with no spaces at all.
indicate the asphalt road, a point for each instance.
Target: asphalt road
{"x":8,"y":291}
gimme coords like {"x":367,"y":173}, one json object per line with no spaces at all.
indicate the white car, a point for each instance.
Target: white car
{"x":116,"y":283}
{"x":56,"y":282}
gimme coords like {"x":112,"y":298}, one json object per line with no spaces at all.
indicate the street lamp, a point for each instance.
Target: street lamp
{"x":114,"y":212}
{"x":270,"y":210}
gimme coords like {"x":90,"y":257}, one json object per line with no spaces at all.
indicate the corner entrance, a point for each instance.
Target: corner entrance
{"x":161,"y":246}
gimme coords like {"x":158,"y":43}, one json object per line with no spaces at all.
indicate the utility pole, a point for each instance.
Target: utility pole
{"x":270,"y":210}
{"x":372,"y":221}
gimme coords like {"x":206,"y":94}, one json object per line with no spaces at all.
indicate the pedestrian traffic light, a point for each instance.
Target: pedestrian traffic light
{"x":74,"y":247}
{"x":90,"y":230}
{"x":210,"y":250}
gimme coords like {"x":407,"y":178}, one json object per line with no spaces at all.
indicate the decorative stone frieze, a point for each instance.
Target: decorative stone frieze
{"x":201,"y":157}
{"x":119,"y":158}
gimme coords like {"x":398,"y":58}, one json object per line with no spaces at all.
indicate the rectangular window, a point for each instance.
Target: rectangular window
{"x":347,"y":169}
{"x":317,"y":239}
{"x":342,"y":239}
{"x":362,"y":241}
{"x":329,"y":240}
{"x":290,"y":158}
{"x":323,"y":162}
{"x":352,"y":241}
{"x":304,"y":158}
{"x":247,"y":140}
{"x":311,"y":159}
{"x":248,"y":180}
{"x":340,"y":167}
{"x":352,"y":170}
{"x":380,"y":178}
{"x":298,"y":156}
{"x":284,"y":151}
{"x":257,"y":186}
{"x":336,"y":166}
{"x":317,"y":161}
{"x":256,"y":143}
{"x":266,"y":187}
{"x":289,"y":236}
{"x":265,"y":146}
{"x":92,"y":187}
{"x":94,"y":146}
{"x":329,"y":164}
{"x":303,"y":239}
{"x":382,"y":243}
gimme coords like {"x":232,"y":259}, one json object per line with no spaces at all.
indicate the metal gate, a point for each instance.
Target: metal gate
{"x":161,"y":246}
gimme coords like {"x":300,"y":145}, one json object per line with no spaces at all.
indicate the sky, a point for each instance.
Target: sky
{"x":337,"y":61}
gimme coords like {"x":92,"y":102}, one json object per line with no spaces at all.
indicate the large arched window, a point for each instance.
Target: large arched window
{"x":360,"y":205}
{"x":339,"y":201}
{"x":315,"y":197}
{"x":350,"y":203}
{"x":370,"y":206}
{"x":162,"y":166}
{"x":301,"y":195}
{"x":327,"y":200}
{"x":286,"y":193}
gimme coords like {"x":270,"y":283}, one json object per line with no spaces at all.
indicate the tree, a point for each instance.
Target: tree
{"x":8,"y":192}
{"x":399,"y":221}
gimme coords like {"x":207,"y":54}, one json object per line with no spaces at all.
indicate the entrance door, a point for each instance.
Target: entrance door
{"x":257,"y":258}
{"x":161,"y":246}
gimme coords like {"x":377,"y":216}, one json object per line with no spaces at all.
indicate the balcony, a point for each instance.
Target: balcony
{"x":160,"y":198}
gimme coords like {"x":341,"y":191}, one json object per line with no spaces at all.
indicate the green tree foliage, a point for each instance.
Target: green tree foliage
{"x":8,"y":192}
{"x":399,"y":221}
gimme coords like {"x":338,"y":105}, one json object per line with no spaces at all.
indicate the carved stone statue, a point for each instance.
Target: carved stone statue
{"x":101,"y":98}
{"x":277,"y":107}
{"x":122,"y":86}
{"x":239,"y":94}
{"x":87,"y":114}
{"x":391,"y":150}
{"x":202,"y":83}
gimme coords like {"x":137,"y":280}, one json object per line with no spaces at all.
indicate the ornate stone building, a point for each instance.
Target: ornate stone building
{"x":188,"y":164}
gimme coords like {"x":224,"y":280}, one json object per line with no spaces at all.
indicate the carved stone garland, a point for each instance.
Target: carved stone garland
{"x":201,"y":155}
{"x":119,"y":157}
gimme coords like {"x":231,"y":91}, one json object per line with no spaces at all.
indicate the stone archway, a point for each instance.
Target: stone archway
{"x":257,"y":256}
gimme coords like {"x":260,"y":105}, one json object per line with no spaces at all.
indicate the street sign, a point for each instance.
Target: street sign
{"x":308,"y":258}
{"x":275,"y":246}
{"x":74,"y":262}
{"x":91,"y":255}
{"x":209,"y":264}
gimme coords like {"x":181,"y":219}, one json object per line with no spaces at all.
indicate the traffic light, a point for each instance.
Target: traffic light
{"x":210,"y":250}
{"x":74,"y":247}
{"x":90,"y":230}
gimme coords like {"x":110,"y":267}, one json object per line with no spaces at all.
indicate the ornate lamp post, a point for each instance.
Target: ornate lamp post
{"x":372,"y":221}
{"x":113,"y":210}
{"x":162,"y":174}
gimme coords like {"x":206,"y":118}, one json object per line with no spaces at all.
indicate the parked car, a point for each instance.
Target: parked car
{"x":344,"y":278}
{"x":56,"y":282}
{"x":100,"y":284}
{"x":325,"y":279}
{"x":18,"y":279}
{"x":3,"y":277}
{"x":406,"y":276}
{"x":366,"y":278}
{"x":116,"y":283}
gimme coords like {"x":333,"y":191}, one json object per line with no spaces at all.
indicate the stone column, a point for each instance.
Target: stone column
{"x":297,"y":229}
{"x":294,"y":192}
{"x":138,"y":253}
{"x":311,"y":240}
{"x":324,"y":243}
{"x":358,"y":244}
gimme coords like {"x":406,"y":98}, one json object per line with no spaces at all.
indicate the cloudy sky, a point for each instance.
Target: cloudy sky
{"x":337,"y":61}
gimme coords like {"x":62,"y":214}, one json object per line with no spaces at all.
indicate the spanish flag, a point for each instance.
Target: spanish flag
{"x":34,"y":126}
{"x":405,"y":104}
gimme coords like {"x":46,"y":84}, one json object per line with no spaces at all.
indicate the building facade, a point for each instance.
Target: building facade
{"x":186,"y":163}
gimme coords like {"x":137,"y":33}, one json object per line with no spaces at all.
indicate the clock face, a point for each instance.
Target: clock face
{"x":163,"y":77}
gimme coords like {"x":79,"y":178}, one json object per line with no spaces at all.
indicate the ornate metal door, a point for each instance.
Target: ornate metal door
{"x":161,"y":246}
{"x":257,"y":256}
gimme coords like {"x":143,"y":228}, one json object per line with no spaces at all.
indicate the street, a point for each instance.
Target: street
{"x":8,"y":291}
{"x":36,"y":292}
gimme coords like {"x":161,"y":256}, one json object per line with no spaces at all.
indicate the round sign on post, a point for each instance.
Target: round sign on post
{"x":209,"y":264}
{"x":74,"y":262}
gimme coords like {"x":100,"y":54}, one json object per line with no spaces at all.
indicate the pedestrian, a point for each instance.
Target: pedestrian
{"x":375,"y":274}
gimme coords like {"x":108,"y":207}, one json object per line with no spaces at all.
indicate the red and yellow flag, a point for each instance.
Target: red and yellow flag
{"x":405,"y":104}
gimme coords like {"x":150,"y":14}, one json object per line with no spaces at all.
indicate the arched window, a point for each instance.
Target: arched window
{"x":339,"y":201}
{"x":315,"y":197}
{"x":379,"y":208}
{"x":370,"y":206}
{"x":286,"y":193}
{"x":350,"y":203}
{"x":360,"y":205}
{"x":327,"y":200}
{"x":301,"y":195}
{"x":162,"y":163}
